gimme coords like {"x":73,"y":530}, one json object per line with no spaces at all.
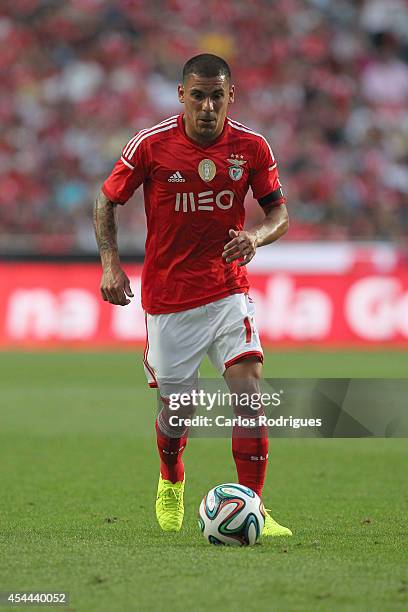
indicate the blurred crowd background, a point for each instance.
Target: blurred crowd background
{"x":326,"y":81}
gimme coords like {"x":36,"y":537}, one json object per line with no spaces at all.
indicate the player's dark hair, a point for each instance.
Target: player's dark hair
{"x":206,"y":65}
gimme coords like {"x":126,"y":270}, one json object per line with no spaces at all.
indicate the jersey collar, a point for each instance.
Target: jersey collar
{"x":194,"y":142}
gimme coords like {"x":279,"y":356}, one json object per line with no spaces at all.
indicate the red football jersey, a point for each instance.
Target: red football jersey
{"x":194,"y":194}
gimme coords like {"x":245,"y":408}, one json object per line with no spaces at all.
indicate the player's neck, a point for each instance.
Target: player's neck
{"x":198,"y":138}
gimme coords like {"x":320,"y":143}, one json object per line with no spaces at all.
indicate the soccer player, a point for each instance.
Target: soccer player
{"x":196,"y":169}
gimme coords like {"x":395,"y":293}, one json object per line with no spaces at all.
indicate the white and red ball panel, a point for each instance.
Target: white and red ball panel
{"x":231,"y":514}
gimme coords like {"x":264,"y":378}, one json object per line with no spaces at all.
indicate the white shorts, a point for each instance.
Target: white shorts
{"x":176,"y":343}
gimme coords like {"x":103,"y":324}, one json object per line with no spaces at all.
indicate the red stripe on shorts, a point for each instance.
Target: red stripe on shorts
{"x":238,"y":358}
{"x":248,"y":328}
{"x":146,"y":351}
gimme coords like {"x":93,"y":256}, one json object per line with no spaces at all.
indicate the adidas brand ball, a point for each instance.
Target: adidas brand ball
{"x":231,"y":514}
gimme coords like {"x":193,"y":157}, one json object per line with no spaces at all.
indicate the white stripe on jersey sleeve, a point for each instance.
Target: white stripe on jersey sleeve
{"x":243,"y":128}
{"x":143,"y":137}
{"x":127,"y":163}
{"x":144,"y":131}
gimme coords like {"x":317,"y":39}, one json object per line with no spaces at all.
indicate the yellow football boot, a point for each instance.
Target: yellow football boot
{"x":170,"y":504}
{"x":272,"y":528}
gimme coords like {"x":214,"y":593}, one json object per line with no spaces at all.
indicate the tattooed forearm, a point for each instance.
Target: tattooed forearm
{"x":105,"y":226}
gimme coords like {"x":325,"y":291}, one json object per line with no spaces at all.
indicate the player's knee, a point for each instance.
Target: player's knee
{"x":181,"y":409}
{"x":187,"y":412}
{"x":248,"y":399}
{"x":246,"y":371}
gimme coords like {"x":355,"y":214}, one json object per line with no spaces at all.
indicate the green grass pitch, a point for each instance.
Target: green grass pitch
{"x":78,"y":473}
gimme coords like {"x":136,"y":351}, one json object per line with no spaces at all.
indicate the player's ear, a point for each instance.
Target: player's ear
{"x":231,"y":95}
{"x":180,"y":90}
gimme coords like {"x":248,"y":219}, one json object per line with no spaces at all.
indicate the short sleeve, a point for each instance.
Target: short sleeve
{"x":129,"y":172}
{"x":265,"y":183}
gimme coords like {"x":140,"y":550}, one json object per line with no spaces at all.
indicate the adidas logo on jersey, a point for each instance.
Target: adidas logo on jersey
{"x":176,"y":178}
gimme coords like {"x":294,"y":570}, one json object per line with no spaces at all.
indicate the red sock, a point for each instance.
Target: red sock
{"x":171,"y":451}
{"x":250,"y":456}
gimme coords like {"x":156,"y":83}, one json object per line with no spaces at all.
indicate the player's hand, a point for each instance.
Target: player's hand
{"x":115,"y":286}
{"x":242,"y":246}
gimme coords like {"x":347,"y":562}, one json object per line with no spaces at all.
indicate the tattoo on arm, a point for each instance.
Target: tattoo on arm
{"x":105,"y":220}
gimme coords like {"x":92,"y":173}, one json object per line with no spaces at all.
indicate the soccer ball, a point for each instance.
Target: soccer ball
{"x":231,"y":514}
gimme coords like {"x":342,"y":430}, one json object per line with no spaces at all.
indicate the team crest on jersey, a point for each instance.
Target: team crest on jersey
{"x":236,"y":170}
{"x":207,"y":170}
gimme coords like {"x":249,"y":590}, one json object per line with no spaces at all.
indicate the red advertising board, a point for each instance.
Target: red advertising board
{"x":58,"y":304}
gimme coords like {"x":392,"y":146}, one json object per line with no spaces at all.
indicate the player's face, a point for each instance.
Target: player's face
{"x":206,"y":103}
